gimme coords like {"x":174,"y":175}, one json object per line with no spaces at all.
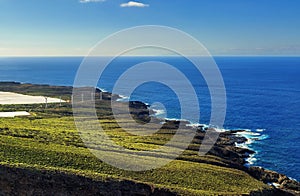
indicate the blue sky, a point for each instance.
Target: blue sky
{"x":71,"y":27}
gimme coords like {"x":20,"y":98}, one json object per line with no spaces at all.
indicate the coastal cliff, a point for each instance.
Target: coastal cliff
{"x":35,"y":156}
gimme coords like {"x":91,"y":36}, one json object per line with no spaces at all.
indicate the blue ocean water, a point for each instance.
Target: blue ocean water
{"x":263,"y":96}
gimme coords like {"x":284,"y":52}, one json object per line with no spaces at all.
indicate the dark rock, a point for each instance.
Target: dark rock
{"x":245,"y":152}
{"x":271,"y":192}
{"x":140,"y":111}
{"x":137,"y":105}
{"x":174,"y":124}
{"x":268,"y":176}
{"x":228,"y":153}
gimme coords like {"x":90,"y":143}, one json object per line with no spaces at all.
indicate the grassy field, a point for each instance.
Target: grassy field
{"x":48,"y":139}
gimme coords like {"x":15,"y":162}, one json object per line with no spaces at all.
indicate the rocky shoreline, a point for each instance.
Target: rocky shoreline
{"x":279,"y":181}
{"x":225,"y":148}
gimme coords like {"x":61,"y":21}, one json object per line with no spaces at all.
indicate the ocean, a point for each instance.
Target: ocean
{"x":263,"y":97}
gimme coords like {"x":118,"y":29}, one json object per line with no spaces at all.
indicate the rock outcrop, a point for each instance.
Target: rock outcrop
{"x":280,"y":181}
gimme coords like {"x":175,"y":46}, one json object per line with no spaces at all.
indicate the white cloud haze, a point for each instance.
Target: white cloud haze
{"x":134,"y":4}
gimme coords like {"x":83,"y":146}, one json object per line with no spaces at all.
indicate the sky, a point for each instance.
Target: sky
{"x":73,"y":27}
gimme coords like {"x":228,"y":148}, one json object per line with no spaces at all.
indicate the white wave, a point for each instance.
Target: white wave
{"x":249,"y":142}
{"x":195,"y":125}
{"x":260,"y":130}
{"x":205,"y":126}
{"x":159,"y":112}
{"x":123,"y":98}
{"x":173,"y":119}
{"x":221,"y":130}
{"x":103,"y":90}
{"x":249,"y":133}
{"x":251,"y":159}
{"x":251,"y":137}
{"x":241,"y":145}
{"x":293,"y":179}
{"x":245,"y":130}
{"x":274,"y":184}
{"x":263,"y":137}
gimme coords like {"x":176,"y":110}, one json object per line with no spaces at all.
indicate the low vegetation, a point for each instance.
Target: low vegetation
{"x":48,"y":139}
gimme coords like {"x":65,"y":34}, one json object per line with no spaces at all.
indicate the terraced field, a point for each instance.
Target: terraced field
{"x":49,"y":140}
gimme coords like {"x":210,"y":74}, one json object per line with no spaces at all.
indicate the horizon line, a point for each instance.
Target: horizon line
{"x":83,"y":56}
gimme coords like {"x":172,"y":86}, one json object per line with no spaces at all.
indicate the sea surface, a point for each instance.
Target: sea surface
{"x":263,"y":97}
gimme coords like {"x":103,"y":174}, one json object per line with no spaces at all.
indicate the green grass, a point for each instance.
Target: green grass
{"x":49,"y":140}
